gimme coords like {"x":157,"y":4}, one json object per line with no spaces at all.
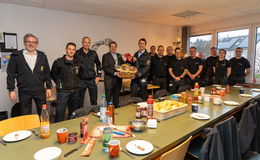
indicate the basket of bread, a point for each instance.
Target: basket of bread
{"x":167,"y":109}
{"x":126,"y":70}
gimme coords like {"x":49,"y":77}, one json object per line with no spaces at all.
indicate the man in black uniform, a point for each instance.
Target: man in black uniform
{"x":159,"y":68}
{"x":88,"y":58}
{"x":112,"y":81}
{"x":30,"y":68}
{"x":65,"y":73}
{"x":221,"y":68}
{"x":141,"y":60}
{"x":152,"y":51}
{"x":240,"y":68}
{"x":208,"y":65}
{"x":194,"y":67}
{"x":177,"y":70}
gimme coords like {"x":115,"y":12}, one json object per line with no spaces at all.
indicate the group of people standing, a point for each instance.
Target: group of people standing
{"x":79,"y":70}
{"x":175,"y":72}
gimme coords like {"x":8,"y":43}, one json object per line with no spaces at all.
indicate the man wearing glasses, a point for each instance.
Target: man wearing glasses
{"x":30,"y":68}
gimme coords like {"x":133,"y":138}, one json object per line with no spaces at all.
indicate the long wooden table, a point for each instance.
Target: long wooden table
{"x":168,"y":134}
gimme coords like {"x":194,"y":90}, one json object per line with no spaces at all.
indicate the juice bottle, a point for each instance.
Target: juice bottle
{"x":110,"y":109}
{"x":196,"y":91}
{"x":45,"y":123}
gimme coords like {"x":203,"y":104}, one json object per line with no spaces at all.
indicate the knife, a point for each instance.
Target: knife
{"x":73,"y":150}
{"x":3,"y":143}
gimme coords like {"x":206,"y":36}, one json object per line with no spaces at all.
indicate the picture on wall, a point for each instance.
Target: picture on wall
{"x":5,"y":57}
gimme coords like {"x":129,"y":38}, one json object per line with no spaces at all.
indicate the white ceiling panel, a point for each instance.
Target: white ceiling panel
{"x":153,"y":11}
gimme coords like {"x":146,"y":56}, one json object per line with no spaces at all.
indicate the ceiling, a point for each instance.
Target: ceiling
{"x":153,"y":11}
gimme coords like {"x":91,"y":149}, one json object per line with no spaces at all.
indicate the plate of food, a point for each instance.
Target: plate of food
{"x":200,"y":116}
{"x":168,"y":105}
{"x":17,"y":136}
{"x":126,"y":70}
{"x":142,"y":104}
{"x":216,"y":85}
{"x":48,"y":153}
{"x":139,"y":147}
{"x":231,"y":103}
{"x":246,"y":95}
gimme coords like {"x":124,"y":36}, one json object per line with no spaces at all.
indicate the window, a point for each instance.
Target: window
{"x":203,"y":43}
{"x":230,"y":40}
{"x":257,"y":54}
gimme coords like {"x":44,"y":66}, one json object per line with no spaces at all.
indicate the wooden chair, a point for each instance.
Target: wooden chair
{"x":177,"y":153}
{"x":19,"y":123}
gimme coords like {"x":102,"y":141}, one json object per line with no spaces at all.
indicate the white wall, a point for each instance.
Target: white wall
{"x":56,"y":28}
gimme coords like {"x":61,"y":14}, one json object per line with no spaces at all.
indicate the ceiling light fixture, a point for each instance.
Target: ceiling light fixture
{"x":187,"y":14}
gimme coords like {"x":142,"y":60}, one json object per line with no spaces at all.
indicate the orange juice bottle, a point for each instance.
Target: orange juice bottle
{"x":45,"y":123}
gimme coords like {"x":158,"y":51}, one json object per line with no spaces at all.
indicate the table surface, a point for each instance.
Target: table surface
{"x":168,"y":134}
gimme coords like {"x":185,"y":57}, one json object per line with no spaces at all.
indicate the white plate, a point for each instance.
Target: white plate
{"x":216,"y":85}
{"x":17,"y":136}
{"x":133,"y":147}
{"x":200,"y":116}
{"x":49,"y":153}
{"x":256,"y":90}
{"x":98,"y":114}
{"x":238,"y":86}
{"x":177,"y":95}
{"x":142,"y":104}
{"x":246,"y":95}
{"x":231,"y":103}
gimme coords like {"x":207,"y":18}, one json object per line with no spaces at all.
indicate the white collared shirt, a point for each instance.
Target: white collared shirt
{"x":140,"y":53}
{"x":30,"y":59}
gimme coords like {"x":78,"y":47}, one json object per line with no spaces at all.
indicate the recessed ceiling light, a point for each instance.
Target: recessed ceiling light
{"x":187,"y":14}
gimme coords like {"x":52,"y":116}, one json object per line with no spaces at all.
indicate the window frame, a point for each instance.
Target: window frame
{"x":202,"y":34}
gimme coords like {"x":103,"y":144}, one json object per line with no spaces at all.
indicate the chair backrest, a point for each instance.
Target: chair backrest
{"x":19,"y":123}
{"x":177,"y":153}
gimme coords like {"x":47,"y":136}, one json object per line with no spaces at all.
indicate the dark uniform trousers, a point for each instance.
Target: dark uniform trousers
{"x":72,"y":99}
{"x":112,"y":90}
{"x":236,"y":80}
{"x":160,"y":81}
{"x":91,"y":85}
{"x":142,"y":84}
{"x":25,"y":101}
{"x":220,"y":81}
{"x":175,"y":86}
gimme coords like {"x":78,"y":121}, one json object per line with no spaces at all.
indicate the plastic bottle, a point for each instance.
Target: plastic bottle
{"x":196,"y":91}
{"x":108,"y":118}
{"x":150,"y":107}
{"x":111,"y":109}
{"x":103,"y":109}
{"x":45,"y":123}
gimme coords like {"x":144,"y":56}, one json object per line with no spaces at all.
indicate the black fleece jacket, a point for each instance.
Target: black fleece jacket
{"x":28,"y":80}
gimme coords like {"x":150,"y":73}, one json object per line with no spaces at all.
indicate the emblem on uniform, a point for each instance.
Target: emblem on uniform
{"x":42,"y":68}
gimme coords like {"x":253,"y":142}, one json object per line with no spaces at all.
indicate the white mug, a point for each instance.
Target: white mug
{"x":206,"y":97}
{"x":217,"y":100}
